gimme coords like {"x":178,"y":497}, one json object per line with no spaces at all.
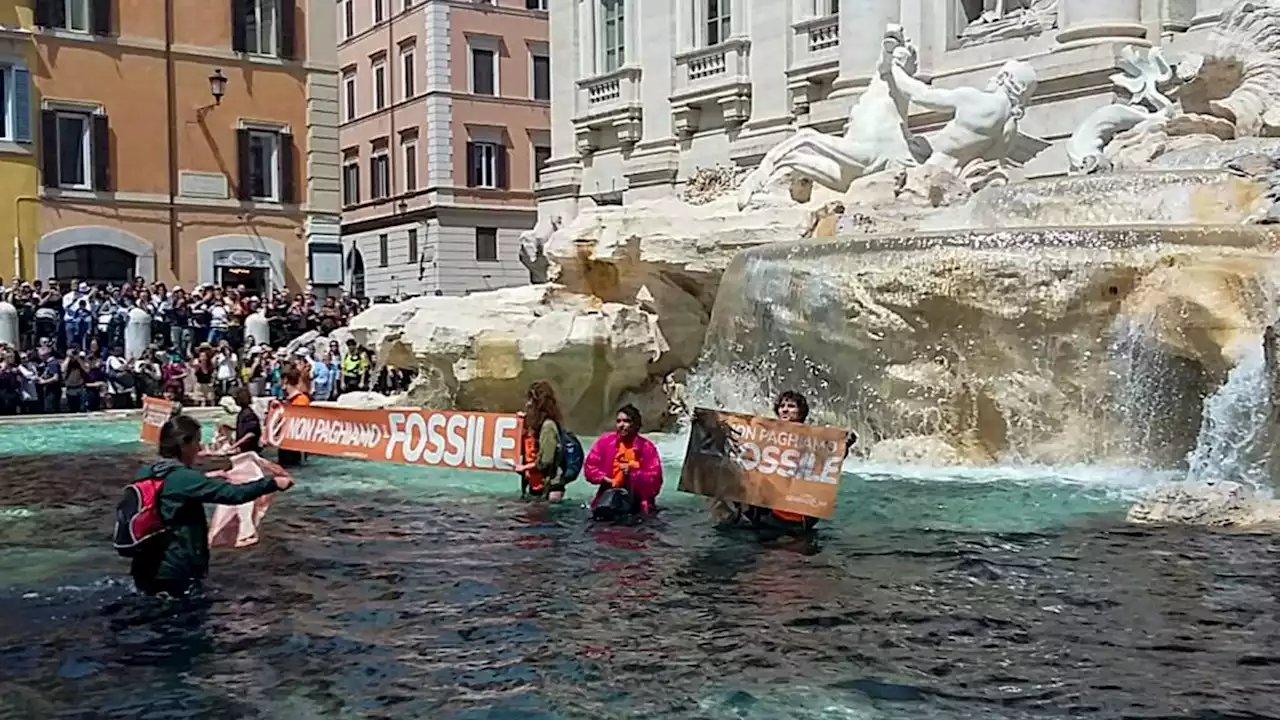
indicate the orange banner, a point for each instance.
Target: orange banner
{"x":445,"y":438}
{"x":155,"y":413}
{"x":768,"y":463}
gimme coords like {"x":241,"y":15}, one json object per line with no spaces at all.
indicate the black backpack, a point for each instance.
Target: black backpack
{"x":614,"y":504}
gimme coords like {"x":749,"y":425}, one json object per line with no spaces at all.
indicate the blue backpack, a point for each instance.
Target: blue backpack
{"x":571,"y":456}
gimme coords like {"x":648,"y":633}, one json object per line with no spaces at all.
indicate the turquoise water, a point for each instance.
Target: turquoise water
{"x":383,"y":591}
{"x":871,"y":497}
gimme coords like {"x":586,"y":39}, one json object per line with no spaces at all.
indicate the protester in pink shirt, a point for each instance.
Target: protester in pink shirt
{"x":627,"y":468}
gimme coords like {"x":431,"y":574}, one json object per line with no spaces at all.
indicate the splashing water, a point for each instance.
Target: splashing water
{"x":1234,"y":434}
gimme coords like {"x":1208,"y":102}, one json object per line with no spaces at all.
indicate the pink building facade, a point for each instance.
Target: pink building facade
{"x":444,"y":128}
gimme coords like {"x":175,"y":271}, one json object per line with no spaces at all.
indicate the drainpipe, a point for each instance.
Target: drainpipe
{"x":393,"y":144}
{"x":17,"y":234}
{"x":171,"y":121}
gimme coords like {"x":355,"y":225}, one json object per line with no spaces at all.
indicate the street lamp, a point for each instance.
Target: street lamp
{"x":217,"y":86}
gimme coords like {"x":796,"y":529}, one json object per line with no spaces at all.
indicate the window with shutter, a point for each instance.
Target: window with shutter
{"x":286,"y":170}
{"x":73,"y":143}
{"x":471,"y":164}
{"x":243,"y":180}
{"x":101,"y":17}
{"x":487,"y":244}
{"x":483,"y":71}
{"x":20,"y":80}
{"x":541,"y":77}
{"x":264,"y":27}
{"x":351,"y":181}
{"x":49,"y":147}
{"x":486,"y":165}
{"x":83,"y":16}
{"x":101,"y":153}
{"x":500,"y":167}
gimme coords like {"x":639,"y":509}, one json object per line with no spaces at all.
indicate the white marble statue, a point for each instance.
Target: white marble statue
{"x":875,"y":136}
{"x":985,"y":127}
{"x":1004,"y":19}
{"x":533,"y":245}
{"x":1145,"y":74}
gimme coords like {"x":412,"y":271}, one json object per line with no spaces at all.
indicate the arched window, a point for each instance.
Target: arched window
{"x":356,"y":260}
{"x":95,"y":264}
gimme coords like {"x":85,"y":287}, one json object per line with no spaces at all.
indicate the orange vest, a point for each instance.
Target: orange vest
{"x":533,"y":475}
{"x":789,"y":516}
{"x":625,"y":458}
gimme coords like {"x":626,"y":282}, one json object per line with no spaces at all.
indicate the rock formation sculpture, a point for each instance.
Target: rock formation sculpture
{"x":1264,"y":168}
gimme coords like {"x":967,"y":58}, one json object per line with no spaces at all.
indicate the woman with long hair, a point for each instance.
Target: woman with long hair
{"x":626,"y":467}
{"x":539,"y":465}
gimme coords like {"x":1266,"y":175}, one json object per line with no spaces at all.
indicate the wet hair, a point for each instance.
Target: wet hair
{"x":633,"y":414}
{"x":543,"y":406}
{"x":242,"y":397}
{"x":796,"y":398}
{"x":178,"y":432}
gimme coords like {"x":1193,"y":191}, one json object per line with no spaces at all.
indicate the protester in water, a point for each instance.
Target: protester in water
{"x":295,"y":389}
{"x":174,"y":561}
{"x":248,"y":430}
{"x":627,"y":468}
{"x":790,"y":406}
{"x":539,"y":465}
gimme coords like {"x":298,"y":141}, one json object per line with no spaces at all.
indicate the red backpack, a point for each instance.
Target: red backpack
{"x":138,"y":513}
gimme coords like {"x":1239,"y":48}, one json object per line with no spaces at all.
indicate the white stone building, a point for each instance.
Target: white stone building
{"x":645,"y":92}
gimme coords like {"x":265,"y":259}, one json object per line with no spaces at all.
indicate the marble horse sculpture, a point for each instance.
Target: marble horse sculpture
{"x":875,"y":136}
{"x":974,"y":145}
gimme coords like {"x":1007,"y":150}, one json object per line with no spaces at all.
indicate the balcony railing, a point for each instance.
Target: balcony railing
{"x":815,"y":60}
{"x":603,"y":94}
{"x":817,"y":41}
{"x":608,"y":105}
{"x":705,"y":70}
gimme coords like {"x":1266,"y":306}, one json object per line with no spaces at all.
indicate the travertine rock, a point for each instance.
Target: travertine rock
{"x":667,"y":257}
{"x":1221,"y":505}
{"x":482,"y":351}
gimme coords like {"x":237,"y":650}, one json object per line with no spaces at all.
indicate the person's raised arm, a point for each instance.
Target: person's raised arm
{"x":195,"y":485}
{"x":925,"y":95}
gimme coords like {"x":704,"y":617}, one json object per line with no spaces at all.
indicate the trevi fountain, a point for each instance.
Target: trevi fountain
{"x":924,"y":295}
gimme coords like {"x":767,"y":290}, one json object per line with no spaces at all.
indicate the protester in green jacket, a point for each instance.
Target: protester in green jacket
{"x":539,"y":465}
{"x":176,"y":560}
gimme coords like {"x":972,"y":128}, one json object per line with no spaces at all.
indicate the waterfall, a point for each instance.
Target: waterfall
{"x":1234,"y":440}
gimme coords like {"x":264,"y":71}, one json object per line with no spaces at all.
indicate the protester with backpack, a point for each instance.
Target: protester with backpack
{"x":160,"y":522}
{"x":627,"y":467}
{"x":541,"y":458}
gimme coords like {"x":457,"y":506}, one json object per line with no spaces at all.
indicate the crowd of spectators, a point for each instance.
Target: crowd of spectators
{"x":70,"y":355}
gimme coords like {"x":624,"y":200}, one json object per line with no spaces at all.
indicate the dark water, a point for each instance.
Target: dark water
{"x":394,"y":603}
